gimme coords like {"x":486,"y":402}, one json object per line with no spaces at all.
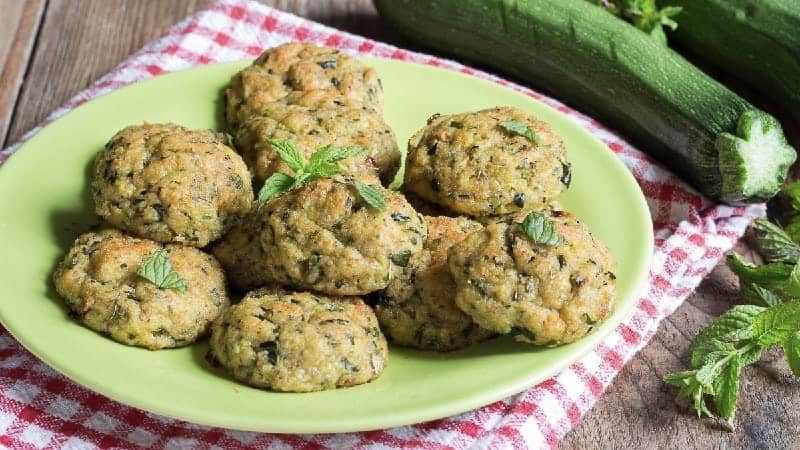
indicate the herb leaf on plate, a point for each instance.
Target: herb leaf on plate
{"x":275,"y":185}
{"x":289,"y":154}
{"x":372,"y":195}
{"x":540,"y":229}
{"x":514,"y":127}
{"x":158,"y":270}
{"x":321,"y":163}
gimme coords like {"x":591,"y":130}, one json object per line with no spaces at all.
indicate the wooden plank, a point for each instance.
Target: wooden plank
{"x":9,"y":21}
{"x":80,"y":41}
{"x":20,"y":20}
{"x":356,"y":16}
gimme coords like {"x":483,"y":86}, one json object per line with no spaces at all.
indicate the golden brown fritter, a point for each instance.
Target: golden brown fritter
{"x":314,"y":99}
{"x":98,"y":281}
{"x":170,"y":184}
{"x":323,"y":237}
{"x":542,"y":294}
{"x":417,"y":308}
{"x":470,"y":164}
{"x":282,"y":71}
{"x":309,"y":129}
{"x":299,"y":342}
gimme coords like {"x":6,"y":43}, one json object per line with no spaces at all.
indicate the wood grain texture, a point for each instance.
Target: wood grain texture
{"x":19,"y":21}
{"x":80,"y":40}
{"x":10,"y":21}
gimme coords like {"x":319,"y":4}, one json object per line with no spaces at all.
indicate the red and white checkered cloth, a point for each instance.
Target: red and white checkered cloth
{"x":40,"y":408}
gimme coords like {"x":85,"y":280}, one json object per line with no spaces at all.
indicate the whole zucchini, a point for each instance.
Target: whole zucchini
{"x":755,"y":40}
{"x":724,"y":146}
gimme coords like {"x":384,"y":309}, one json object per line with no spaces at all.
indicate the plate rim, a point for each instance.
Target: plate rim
{"x":398,"y":418}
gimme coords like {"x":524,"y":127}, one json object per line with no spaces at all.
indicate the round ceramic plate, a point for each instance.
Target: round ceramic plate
{"x":45,"y":203}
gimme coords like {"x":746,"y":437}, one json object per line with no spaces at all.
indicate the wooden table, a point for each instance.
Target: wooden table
{"x":50,"y":50}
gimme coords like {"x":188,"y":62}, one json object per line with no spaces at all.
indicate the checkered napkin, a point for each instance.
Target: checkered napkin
{"x":40,"y":408}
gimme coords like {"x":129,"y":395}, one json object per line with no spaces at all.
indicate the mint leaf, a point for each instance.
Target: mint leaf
{"x":540,"y":229}
{"x":372,"y":195}
{"x":321,"y":163}
{"x":733,"y":326}
{"x":690,"y":388}
{"x":326,"y":157}
{"x":514,"y":127}
{"x":751,"y":354}
{"x":782,"y":279}
{"x":718,"y":377}
{"x":726,"y":388}
{"x":757,"y":295}
{"x":335,"y":154}
{"x":773,"y":243}
{"x":158,"y":270}
{"x":289,"y":154}
{"x":718,"y":354}
{"x":791,"y":349}
{"x":706,"y":374}
{"x":776,"y":324}
{"x":326,"y":169}
{"x":276,"y":184}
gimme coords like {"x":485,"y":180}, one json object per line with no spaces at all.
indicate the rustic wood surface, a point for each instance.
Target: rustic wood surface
{"x":58,"y":47}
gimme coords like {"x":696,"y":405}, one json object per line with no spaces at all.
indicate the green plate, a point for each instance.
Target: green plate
{"x":45,"y":203}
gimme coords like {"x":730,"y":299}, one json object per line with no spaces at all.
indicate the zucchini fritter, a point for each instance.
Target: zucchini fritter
{"x":311,"y":128}
{"x":299,"y":342}
{"x":470,"y":164}
{"x":282,"y":71}
{"x":98,"y":281}
{"x":170,"y":184}
{"x":324,"y":237}
{"x":417,"y":308}
{"x":545,"y":295}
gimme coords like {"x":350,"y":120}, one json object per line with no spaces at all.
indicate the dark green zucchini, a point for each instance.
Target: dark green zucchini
{"x":755,"y":40}
{"x":724,"y":146}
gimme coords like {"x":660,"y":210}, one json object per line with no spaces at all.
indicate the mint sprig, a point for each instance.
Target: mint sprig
{"x":770,"y":317}
{"x":158,"y":270}
{"x":736,"y":339}
{"x":322,"y":163}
